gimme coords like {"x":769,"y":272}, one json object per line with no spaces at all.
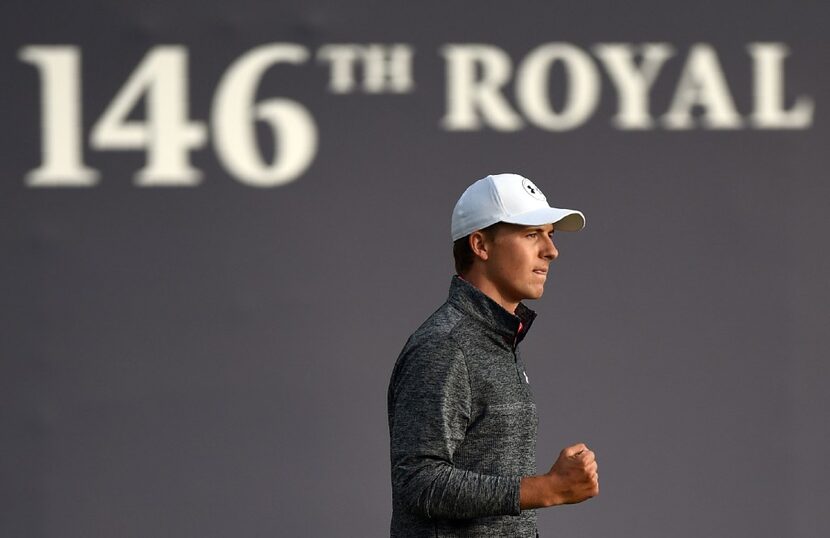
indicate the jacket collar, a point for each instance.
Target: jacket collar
{"x":473,"y":301}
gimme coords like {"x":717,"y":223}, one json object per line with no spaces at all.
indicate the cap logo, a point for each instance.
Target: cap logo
{"x":533,"y":190}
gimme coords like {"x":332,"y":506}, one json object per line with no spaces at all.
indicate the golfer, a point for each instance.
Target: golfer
{"x":462,"y":418}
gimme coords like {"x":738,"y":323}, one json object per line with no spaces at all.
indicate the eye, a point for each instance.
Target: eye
{"x":532,"y":235}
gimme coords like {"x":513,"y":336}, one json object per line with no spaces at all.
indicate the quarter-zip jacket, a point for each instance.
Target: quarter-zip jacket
{"x":462,"y":422}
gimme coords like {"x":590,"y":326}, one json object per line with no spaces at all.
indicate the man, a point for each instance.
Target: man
{"x":462,"y":419}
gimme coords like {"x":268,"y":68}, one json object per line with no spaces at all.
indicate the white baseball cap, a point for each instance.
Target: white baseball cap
{"x":509,"y":198}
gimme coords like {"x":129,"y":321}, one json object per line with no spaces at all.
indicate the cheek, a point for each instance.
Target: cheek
{"x":518,"y":264}
{"x":514,"y":260}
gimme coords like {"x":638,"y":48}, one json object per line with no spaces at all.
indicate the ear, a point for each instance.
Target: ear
{"x":479,"y":244}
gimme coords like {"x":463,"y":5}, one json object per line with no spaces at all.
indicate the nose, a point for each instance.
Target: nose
{"x":549,"y":251}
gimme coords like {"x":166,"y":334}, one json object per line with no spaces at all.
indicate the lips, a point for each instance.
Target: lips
{"x":541,"y":271}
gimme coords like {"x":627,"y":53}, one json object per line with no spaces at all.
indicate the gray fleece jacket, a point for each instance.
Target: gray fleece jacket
{"x":462,"y":422}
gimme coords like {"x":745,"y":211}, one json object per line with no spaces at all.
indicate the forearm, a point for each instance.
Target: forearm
{"x":445,"y":492}
{"x":537,"y":492}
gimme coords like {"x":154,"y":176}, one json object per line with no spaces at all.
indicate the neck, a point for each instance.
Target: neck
{"x":490,"y":290}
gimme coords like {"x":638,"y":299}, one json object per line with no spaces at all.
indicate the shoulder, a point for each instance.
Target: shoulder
{"x":433,"y":351}
{"x":437,"y":331}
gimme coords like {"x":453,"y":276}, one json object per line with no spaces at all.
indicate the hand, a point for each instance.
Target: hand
{"x":574,"y":477}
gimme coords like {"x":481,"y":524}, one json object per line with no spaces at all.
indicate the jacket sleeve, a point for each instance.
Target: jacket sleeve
{"x":429,"y":408}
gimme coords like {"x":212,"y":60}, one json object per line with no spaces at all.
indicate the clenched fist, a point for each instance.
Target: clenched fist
{"x":574,"y":475}
{"x":572,"y":479}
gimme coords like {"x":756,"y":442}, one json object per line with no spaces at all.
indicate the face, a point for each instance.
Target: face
{"x":517,"y":260}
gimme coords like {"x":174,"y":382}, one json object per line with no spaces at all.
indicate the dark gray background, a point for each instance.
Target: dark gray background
{"x":213,"y":361}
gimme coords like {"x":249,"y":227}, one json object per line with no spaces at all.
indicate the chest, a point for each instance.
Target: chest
{"x":499,"y":382}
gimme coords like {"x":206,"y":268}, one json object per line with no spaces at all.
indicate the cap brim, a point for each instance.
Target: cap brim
{"x":566,"y":220}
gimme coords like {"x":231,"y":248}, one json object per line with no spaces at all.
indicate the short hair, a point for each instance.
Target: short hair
{"x":463,"y":254}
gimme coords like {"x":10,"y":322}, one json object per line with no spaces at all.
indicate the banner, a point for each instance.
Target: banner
{"x":220,"y":222}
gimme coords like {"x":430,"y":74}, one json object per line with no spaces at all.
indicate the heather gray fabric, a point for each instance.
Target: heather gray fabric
{"x":462,"y":422}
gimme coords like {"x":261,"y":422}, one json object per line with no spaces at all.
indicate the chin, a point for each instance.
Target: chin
{"x":534,"y":293}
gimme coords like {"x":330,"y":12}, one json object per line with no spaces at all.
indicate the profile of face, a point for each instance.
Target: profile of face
{"x":514,"y":261}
